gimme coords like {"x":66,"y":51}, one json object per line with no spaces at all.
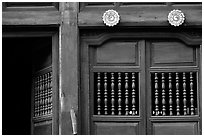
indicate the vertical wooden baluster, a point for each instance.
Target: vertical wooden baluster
{"x":112,"y":95}
{"x":126,"y":94}
{"x":156,"y":96}
{"x":39,"y":95}
{"x":133,"y":94}
{"x":48,"y":89}
{"x":177,"y":95}
{"x":105,"y":94}
{"x":35,"y":92}
{"x":163,"y":96}
{"x":46,"y":94}
{"x":170,"y":96}
{"x":49,"y":98}
{"x":191,"y":93}
{"x":99,"y":93}
{"x":36,"y":99}
{"x":43,"y":95}
{"x":119,"y":94}
{"x":184,"y":94}
{"x":40,"y":109}
{"x":51,"y":92}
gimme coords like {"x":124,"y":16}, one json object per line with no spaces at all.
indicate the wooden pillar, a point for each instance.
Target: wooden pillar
{"x":69,"y":76}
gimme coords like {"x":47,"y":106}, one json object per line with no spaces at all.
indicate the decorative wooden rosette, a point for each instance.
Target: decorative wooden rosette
{"x":176,"y":18}
{"x":111,"y":18}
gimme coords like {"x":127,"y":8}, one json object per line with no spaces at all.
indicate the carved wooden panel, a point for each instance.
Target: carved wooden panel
{"x":172,"y":54}
{"x":119,"y":128}
{"x":175,"y":128}
{"x":118,"y":53}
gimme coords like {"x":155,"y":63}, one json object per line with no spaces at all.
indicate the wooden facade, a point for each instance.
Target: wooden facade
{"x":140,"y":77}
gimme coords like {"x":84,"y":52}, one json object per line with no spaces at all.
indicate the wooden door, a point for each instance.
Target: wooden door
{"x":132,"y":85}
{"x":116,"y":96}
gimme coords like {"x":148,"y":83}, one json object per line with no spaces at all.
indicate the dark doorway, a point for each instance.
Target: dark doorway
{"x":21,"y":58}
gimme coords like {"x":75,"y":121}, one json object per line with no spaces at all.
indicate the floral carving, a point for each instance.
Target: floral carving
{"x":111,"y":18}
{"x":176,"y":18}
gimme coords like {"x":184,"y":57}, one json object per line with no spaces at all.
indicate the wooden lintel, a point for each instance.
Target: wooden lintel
{"x":31,"y":18}
{"x":140,"y":18}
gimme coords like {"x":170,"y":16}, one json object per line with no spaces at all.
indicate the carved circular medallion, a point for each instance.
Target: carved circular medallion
{"x":176,"y":17}
{"x":111,"y":18}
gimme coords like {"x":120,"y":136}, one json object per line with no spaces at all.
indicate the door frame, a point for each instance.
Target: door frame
{"x":98,"y":39}
{"x":18,"y":33}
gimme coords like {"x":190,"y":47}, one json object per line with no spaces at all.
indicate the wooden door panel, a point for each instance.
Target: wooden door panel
{"x":116,"y":128}
{"x":43,"y":128}
{"x":138,"y":87}
{"x":172,"y":54}
{"x":117,"y":53}
{"x":175,"y":128}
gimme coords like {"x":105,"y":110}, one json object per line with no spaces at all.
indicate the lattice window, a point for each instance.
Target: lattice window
{"x":43,"y":95}
{"x":174,"y":93}
{"x":116,"y":93}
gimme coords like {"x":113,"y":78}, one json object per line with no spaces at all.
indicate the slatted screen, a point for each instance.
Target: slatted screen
{"x":116,"y":93}
{"x":174,"y":93}
{"x":43,"y":95}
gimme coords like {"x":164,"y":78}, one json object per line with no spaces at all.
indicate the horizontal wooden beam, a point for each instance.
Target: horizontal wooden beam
{"x":147,"y":17}
{"x":31,"y":18}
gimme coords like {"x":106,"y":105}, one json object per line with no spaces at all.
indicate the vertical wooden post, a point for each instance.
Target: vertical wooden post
{"x":112,"y":95}
{"x":119,"y":94}
{"x":69,"y":74}
{"x":133,"y":94}
{"x":170,"y":96}
{"x":177,"y":95}
{"x":99,"y":94}
{"x":156,"y":95}
{"x":126,"y":94}
{"x":163,"y":96}
{"x":105,"y":94}
{"x":184,"y":94}
{"x":191,"y":93}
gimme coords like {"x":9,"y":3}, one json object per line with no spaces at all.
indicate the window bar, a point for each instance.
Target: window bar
{"x":43,"y":95}
{"x":191,"y":93}
{"x":50,"y":94}
{"x":163,"y":96}
{"x":99,"y":94}
{"x":50,"y":104}
{"x":46,"y":93}
{"x":156,"y":96}
{"x":45,"y":100}
{"x":184,"y":94}
{"x":112,"y":95}
{"x":133,"y":94}
{"x":40,"y":109}
{"x":126,"y":94}
{"x":119,"y":94}
{"x":170,"y":96}
{"x":105,"y":94}
{"x":177,"y":95}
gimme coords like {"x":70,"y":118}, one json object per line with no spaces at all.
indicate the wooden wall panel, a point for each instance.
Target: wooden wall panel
{"x":172,"y":54}
{"x":44,"y":128}
{"x":110,"y":128}
{"x":118,"y":53}
{"x":175,"y":128}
